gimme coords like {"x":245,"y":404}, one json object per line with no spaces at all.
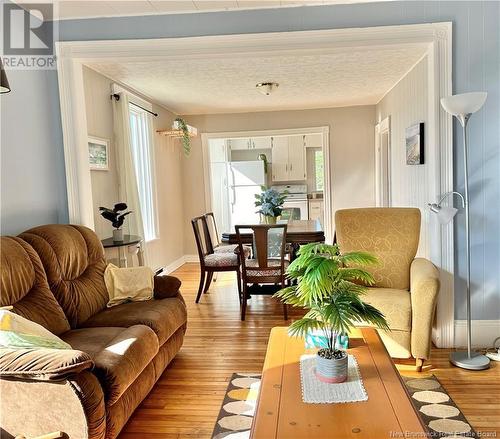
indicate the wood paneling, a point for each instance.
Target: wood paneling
{"x":187,"y":398}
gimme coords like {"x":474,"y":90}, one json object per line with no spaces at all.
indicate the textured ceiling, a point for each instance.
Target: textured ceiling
{"x":202,"y":86}
{"x":71,"y":9}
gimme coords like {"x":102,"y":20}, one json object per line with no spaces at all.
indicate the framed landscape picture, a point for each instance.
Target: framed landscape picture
{"x":415,"y":144}
{"x":98,"y":154}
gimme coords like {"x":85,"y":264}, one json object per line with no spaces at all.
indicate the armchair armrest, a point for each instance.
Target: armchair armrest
{"x":42,"y":364}
{"x":424,"y":288}
{"x":166,"y":286}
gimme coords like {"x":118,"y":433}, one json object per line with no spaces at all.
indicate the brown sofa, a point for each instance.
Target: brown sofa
{"x":54,"y":275}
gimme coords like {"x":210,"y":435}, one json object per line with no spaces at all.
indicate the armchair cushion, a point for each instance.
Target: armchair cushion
{"x":42,"y":364}
{"x":394,"y":304}
{"x":391,"y":234}
{"x":166,"y":286}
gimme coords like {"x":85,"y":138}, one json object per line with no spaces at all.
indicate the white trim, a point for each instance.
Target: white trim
{"x":72,"y":55}
{"x":178,"y":263}
{"x":484,"y":333}
{"x":327,"y":190}
{"x":383,"y":127}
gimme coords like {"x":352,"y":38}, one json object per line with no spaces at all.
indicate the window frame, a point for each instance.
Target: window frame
{"x":152,"y":159}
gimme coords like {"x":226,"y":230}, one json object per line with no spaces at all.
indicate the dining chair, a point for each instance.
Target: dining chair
{"x":213,"y":233}
{"x":266,"y":270}
{"x":211,"y":262}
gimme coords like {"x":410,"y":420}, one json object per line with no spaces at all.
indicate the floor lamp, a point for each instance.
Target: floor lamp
{"x":462,"y":106}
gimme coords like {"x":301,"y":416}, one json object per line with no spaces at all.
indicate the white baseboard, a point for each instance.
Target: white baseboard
{"x":179,"y":263}
{"x":484,"y":333}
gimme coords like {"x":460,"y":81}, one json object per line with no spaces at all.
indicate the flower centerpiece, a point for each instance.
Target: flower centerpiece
{"x":116,"y":216}
{"x":270,"y":203}
{"x":330,"y":285}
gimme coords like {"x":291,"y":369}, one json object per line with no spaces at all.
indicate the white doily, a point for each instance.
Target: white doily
{"x":316,"y":392}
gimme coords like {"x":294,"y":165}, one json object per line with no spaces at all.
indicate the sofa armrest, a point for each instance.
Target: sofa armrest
{"x":74,"y":406}
{"x":42,"y":364}
{"x":424,"y":288}
{"x":166,"y":286}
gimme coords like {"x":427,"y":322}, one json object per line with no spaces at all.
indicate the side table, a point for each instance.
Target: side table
{"x":122,"y":246}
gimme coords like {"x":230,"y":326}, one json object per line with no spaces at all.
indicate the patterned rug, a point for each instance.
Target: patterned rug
{"x":437,"y":410}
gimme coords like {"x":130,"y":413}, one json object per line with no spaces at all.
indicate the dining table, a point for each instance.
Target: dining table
{"x":298,"y":232}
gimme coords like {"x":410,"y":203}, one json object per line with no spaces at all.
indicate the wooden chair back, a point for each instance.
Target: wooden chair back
{"x":202,"y":237}
{"x":269,"y":245}
{"x":212,"y":229}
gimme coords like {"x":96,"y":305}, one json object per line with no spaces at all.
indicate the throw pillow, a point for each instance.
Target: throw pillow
{"x":18,"y":332}
{"x":133,"y":284}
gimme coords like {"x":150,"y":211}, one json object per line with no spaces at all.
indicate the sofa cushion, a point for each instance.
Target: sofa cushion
{"x":24,"y":286}
{"x":394,"y":304}
{"x":73,"y":259}
{"x":163,"y":316}
{"x":119,"y":354}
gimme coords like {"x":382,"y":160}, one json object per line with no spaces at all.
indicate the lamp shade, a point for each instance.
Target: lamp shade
{"x":4,"y":83}
{"x":465,"y":103}
{"x":444,"y":213}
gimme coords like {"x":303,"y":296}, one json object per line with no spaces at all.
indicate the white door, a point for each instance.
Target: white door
{"x":383,"y":164}
{"x":280,"y":158}
{"x":261,"y":142}
{"x":296,"y":158}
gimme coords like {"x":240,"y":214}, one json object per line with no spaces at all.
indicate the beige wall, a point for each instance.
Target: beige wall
{"x":407,"y":104}
{"x":351,"y":146}
{"x":168,"y":159}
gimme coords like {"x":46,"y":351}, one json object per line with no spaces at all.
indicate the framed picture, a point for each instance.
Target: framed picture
{"x":98,"y":154}
{"x":415,"y":144}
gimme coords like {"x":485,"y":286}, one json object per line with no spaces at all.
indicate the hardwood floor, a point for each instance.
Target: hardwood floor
{"x":187,"y":398}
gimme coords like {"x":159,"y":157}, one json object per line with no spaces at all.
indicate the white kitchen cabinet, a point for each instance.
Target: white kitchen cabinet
{"x":280,"y":158}
{"x":296,"y":158}
{"x":288,"y":158}
{"x":260,"y":142}
{"x":250,"y":143}
{"x":239,"y":143}
{"x":313,"y":140}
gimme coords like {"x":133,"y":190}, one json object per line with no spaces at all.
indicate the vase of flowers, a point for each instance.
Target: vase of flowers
{"x":330,"y":285}
{"x":116,"y":216}
{"x":270,"y":204}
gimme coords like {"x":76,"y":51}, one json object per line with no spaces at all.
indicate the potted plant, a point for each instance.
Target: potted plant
{"x":330,"y":285}
{"x":116,"y":216}
{"x":180,"y":124}
{"x":270,"y":202}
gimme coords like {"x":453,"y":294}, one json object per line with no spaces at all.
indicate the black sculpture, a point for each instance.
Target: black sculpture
{"x":115,"y":215}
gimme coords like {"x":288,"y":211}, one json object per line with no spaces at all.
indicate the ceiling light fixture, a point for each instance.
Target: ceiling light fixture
{"x":266,"y":88}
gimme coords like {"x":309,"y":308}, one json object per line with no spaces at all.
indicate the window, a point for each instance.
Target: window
{"x":142,"y":154}
{"x":319,"y":169}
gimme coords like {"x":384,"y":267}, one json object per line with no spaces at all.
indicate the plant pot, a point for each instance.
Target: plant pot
{"x":331,"y":370}
{"x":270,"y":219}
{"x":118,"y":235}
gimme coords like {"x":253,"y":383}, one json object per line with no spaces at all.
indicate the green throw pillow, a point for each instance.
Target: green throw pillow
{"x":21,"y":333}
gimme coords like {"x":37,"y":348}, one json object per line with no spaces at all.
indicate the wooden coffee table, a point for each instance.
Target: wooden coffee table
{"x":280,"y":412}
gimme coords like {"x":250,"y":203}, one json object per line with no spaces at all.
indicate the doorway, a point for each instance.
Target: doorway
{"x":383,"y":163}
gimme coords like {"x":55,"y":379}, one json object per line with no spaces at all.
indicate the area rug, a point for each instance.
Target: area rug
{"x":434,"y":406}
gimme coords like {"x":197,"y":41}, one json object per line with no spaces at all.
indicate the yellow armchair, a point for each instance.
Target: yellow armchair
{"x":406,"y":287}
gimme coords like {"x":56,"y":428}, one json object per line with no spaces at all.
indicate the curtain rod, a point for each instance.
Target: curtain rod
{"x":116,"y":96}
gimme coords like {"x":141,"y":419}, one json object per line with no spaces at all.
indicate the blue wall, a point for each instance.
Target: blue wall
{"x":475,"y":67}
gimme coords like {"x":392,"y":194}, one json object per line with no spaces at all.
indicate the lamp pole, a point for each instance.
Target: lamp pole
{"x":464,"y":119}
{"x":462,"y":106}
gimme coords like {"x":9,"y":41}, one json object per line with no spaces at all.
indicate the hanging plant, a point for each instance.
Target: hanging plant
{"x":185,"y":139}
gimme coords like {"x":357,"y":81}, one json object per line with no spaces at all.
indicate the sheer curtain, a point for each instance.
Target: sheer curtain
{"x":127,"y":180}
